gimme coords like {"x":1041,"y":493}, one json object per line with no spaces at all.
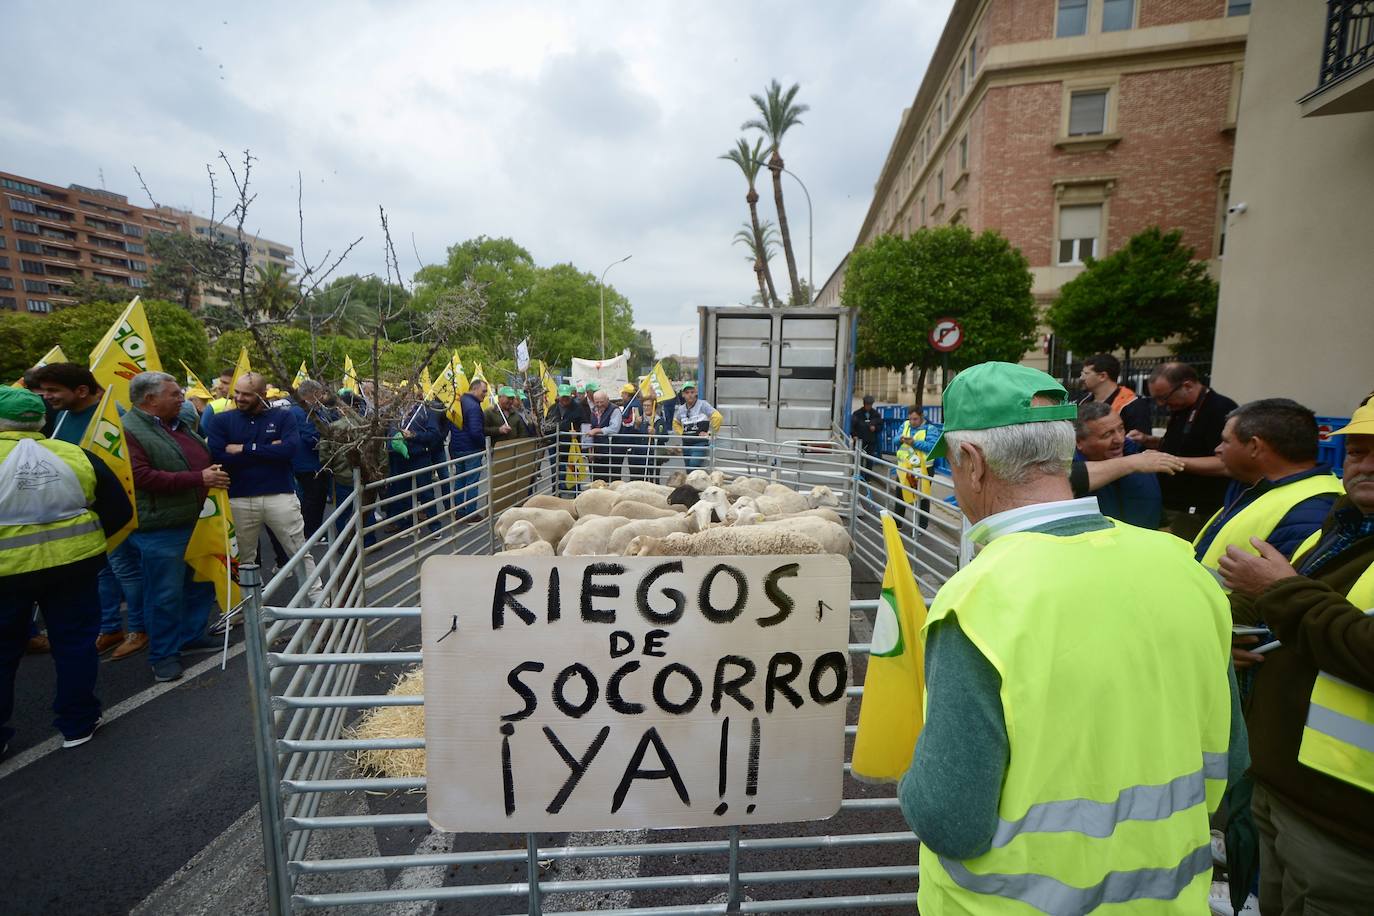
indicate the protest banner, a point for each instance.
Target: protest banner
{"x":599,"y":693}
{"x":608,"y":373}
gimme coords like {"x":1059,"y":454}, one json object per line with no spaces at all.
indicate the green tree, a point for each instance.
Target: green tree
{"x":504,"y":270}
{"x":86,"y":289}
{"x":177,"y":334}
{"x":271,"y":291}
{"x":185,"y":264}
{"x":641,"y":353}
{"x":1150,"y":290}
{"x":762,"y":242}
{"x":749,"y":161}
{"x":902,"y":286}
{"x":672,"y":368}
{"x":779,"y":112}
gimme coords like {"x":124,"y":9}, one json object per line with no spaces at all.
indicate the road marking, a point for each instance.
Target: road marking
{"x":124,"y":707}
{"x":599,"y":869}
{"x":431,"y":876}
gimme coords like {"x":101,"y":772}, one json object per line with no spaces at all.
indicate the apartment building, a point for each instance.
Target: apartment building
{"x":51,"y":235}
{"x":1068,"y":126}
{"x":262,"y":252}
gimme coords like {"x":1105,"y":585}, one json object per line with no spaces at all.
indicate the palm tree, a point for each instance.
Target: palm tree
{"x":779,"y":112}
{"x":749,"y":161}
{"x":762,"y":241}
{"x":271,"y":291}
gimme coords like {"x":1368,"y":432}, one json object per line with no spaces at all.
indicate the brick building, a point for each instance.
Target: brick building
{"x":50,"y":235}
{"x":1068,"y":126}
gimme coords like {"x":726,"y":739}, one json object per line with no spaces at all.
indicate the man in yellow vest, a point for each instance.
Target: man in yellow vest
{"x":1082,"y":720}
{"x":913,"y":466}
{"x":57,"y":504}
{"x":1280,"y":494}
{"x":1311,"y":715}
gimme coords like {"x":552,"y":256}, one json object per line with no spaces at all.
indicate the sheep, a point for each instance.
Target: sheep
{"x":676,"y":479}
{"x":545,"y":501}
{"x":755,"y":540}
{"x":746,"y":515}
{"x":627,"y":487}
{"x":648,"y":493}
{"x":718,"y":499}
{"x":822,"y":495}
{"x":552,"y":524}
{"x":698,"y":480}
{"x":633,"y":508}
{"x":536,"y":549}
{"x":831,"y":536}
{"x":655,"y":527}
{"x":521,"y":533}
{"x":685,"y":496}
{"x":596,"y":502}
{"x":717,"y":478}
{"x":745,"y":486}
{"x":777,"y":500}
{"x":589,"y":537}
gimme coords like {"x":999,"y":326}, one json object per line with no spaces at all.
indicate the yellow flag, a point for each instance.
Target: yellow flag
{"x":546,"y":380}
{"x":449,"y":387}
{"x":478,"y":376}
{"x":126,"y":350}
{"x":195,"y":388}
{"x":55,"y":355}
{"x":105,"y":438}
{"x":657,"y":383}
{"x":426,"y":386}
{"x":301,"y":376}
{"x":577,"y":464}
{"x":892,"y":713}
{"x":213,"y":551}
{"x":350,"y":376}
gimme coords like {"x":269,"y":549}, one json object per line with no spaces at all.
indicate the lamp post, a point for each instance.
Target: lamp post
{"x":810,"y":232}
{"x":603,"y":301}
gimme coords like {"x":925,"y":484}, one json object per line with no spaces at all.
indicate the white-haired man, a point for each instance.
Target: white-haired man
{"x":1078,"y":717}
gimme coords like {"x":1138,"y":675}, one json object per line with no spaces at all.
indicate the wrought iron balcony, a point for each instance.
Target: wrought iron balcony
{"x":1346,"y":83}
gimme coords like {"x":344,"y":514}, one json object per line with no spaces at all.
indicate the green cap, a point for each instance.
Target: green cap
{"x":565,"y":391}
{"x":593,"y":386}
{"x":506,"y":391}
{"x":20,"y":405}
{"x":999,"y":394}
{"x":687,"y":384}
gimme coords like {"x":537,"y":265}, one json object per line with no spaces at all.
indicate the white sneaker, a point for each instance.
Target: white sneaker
{"x":77,"y":742}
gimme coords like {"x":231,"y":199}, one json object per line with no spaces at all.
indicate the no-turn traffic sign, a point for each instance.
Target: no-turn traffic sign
{"x":947,"y":335}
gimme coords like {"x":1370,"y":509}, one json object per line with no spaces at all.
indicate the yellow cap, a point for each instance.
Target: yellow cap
{"x":1361,"y":424}
{"x":627,"y":388}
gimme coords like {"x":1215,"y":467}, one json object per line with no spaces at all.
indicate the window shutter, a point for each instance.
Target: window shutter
{"x":1080,"y":222}
{"x":1087,"y":112}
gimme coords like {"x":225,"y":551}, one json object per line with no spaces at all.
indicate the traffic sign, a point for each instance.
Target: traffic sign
{"x":947,"y":335}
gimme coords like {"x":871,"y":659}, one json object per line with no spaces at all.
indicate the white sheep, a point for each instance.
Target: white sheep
{"x":821,"y":496}
{"x":633,"y":508}
{"x":552,"y":524}
{"x":595,"y":502}
{"x":521,"y":533}
{"x":588,"y":538}
{"x":648,"y":493}
{"x":627,"y":487}
{"x":745,"y":486}
{"x":537,"y":549}
{"x":832,"y":537}
{"x":718,"y":499}
{"x":776,"y":500}
{"x":754,"y":540}
{"x":698,"y":480}
{"x":620,"y":538}
{"x":545,"y":501}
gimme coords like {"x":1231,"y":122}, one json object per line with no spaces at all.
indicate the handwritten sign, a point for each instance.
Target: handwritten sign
{"x":589,"y":693}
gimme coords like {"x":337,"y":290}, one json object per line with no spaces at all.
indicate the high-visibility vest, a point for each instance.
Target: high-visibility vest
{"x":1338,"y":739}
{"x":1261,"y":517}
{"x":906,"y":454}
{"x":1118,"y":715}
{"x":29,"y":548}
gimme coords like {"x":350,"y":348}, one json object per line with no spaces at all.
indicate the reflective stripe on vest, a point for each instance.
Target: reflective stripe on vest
{"x":1121,"y":815}
{"x":82,"y":526}
{"x":29,"y":548}
{"x":1261,"y":517}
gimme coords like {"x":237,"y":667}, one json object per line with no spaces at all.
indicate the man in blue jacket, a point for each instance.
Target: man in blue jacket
{"x":256,"y":445}
{"x":1100,"y":435}
{"x":423,"y":429}
{"x":313,"y":481}
{"x":466,"y":445}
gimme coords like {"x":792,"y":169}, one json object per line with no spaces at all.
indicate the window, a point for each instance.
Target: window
{"x":23,"y":225}
{"x":8,"y":302}
{"x":135,"y":231}
{"x":963,"y":153}
{"x":138,"y":265}
{"x":27,"y":247}
{"x":1079,"y":228}
{"x":949,"y":106}
{"x":32,"y":267}
{"x":930,"y":139}
{"x":36,"y":190}
{"x":972,"y":58}
{"x":963,"y":78}
{"x":923,"y":149}
{"x":1088,"y":113}
{"x":22,"y":206}
{"x":133,"y":248}
{"x":923,"y":209}
{"x":137,"y":282}
{"x":2,"y":242}
{"x":35,"y":286}
{"x":6,"y":283}
{"x":939,"y":117}
{"x":940,"y":186}
{"x":1072,"y":18}
{"x":4,"y":263}
{"x":1117,"y":15}
{"x":40,"y":305}
{"x":1238,"y":7}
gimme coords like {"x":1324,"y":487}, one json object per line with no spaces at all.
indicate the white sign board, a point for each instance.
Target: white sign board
{"x":610,"y":373}
{"x":591,"y":693}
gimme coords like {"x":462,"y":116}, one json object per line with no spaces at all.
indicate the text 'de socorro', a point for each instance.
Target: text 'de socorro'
{"x":581,"y":693}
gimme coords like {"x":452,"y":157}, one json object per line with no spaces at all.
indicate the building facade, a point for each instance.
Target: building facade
{"x":1067,"y":126}
{"x":52,"y":235}
{"x":262,"y":252}
{"x":1296,"y":316}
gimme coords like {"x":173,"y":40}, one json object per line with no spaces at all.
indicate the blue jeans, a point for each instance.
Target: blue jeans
{"x":467,"y":475}
{"x":176,"y":608}
{"x":694,"y":452}
{"x":121,"y":581}
{"x":71,"y":610}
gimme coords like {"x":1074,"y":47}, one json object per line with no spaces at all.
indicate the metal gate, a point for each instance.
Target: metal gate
{"x":307,"y":647}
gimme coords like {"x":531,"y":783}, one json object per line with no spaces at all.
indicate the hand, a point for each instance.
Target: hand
{"x":1143,"y":439}
{"x":214,"y":476}
{"x":1241,"y":657}
{"x":1251,"y":575}
{"x":234,"y":448}
{"x":505,"y":428}
{"x":1153,"y":462}
{"x":408,"y":433}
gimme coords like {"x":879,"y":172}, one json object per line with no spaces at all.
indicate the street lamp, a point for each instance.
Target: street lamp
{"x":603,"y":301}
{"x":810,"y":229}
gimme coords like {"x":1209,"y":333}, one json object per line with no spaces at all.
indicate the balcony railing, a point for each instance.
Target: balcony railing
{"x":1349,"y":44}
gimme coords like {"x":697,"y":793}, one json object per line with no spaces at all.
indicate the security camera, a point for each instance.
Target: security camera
{"x":1237,"y":209}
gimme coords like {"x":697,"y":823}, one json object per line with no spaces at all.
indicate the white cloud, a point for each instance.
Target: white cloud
{"x":585,"y":131}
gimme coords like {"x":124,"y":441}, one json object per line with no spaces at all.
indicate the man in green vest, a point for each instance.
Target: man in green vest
{"x":57,"y":505}
{"x":172,"y":471}
{"x":1280,"y":493}
{"x":1082,"y":720}
{"x":1311,"y":712}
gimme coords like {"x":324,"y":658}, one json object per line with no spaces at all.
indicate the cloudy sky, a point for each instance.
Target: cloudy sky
{"x":584,"y":131}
